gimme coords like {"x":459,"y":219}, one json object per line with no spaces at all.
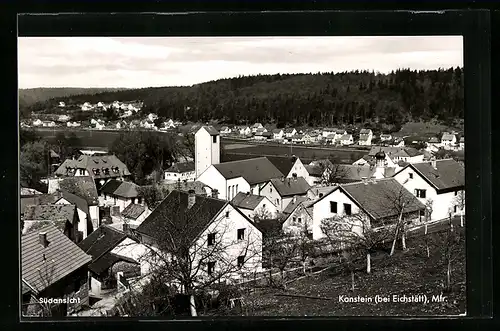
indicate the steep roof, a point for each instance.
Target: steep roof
{"x":277,"y":131}
{"x":291,"y":186}
{"x":133,"y":211}
{"x":210,"y":129}
{"x":434,"y":140}
{"x":346,"y":137}
{"x":62,"y":257}
{"x":50,"y":213}
{"x":74,"y":199}
{"x":254,"y":171}
{"x":108,"y":166}
{"x":293,"y":205}
{"x":174,"y":217}
{"x":448,"y":136}
{"x":282,"y":163}
{"x":120,"y":189}
{"x":351,"y":173}
{"x":106,"y":261}
{"x":197,"y":186}
{"x":395,"y":151}
{"x":365,"y":131}
{"x":101,"y":241}
{"x":82,"y":186}
{"x":247,"y":201}
{"x":289,"y":130}
{"x":449,"y":174}
{"x":314,"y":170}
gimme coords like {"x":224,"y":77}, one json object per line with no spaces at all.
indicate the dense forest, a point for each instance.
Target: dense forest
{"x":355,"y":97}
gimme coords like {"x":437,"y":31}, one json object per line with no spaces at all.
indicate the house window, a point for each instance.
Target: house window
{"x":454,"y":209}
{"x":422,"y":212}
{"x":236,"y":189}
{"x":321,"y":195}
{"x":270,"y":189}
{"x":211,"y":239}
{"x":411,"y":175}
{"x":227,"y":214}
{"x":214,"y":139}
{"x":456,"y":193}
{"x":211,"y":268}
{"x":300,"y":220}
{"x":294,"y":219}
{"x":229,"y":189}
{"x":82,"y":172}
{"x":241,"y":261}
{"x":241,"y":234}
{"x":420,"y":193}
{"x":347,"y":209}
{"x":333,"y":207}
{"x":263,"y":205}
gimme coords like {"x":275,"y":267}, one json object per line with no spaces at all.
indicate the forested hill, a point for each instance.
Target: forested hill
{"x":300,"y":99}
{"x":33,"y":95}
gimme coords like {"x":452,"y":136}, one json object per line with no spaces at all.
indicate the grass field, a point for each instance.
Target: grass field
{"x":405,"y":273}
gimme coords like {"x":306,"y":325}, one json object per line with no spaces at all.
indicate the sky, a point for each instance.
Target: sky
{"x":136,"y":62}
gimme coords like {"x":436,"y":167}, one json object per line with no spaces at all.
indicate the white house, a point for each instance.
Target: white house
{"x":289,"y":167}
{"x":439,"y":184}
{"x":245,"y":131}
{"x":396,"y":142}
{"x":207,"y":149}
{"x":385,"y":137}
{"x":256,"y":127}
{"x":225,"y":130}
{"x":281,"y":191}
{"x":328,"y":131}
{"x":299,"y":220}
{"x":433,"y":145}
{"x":317,"y":192}
{"x":290,"y":132}
{"x":310,"y":138}
{"x":62,"y":104}
{"x":259,"y":136}
{"x":151,"y":117}
{"x":63,"y":217}
{"x":119,"y":193}
{"x":278,"y":133}
{"x":86,"y":106}
{"x":72,"y":124}
{"x":339,"y":135}
{"x":184,"y":171}
{"x":48,"y":123}
{"x":63,"y":118}
{"x":37,"y":122}
{"x":298,"y":139}
{"x":396,"y":154}
{"x":358,"y":199}
{"x":448,"y":140}
{"x":346,"y":139}
{"x":85,"y":226}
{"x":134,"y":214}
{"x":204,"y":222}
{"x":254,"y":205}
{"x":365,"y":137}
{"x":317,"y":170}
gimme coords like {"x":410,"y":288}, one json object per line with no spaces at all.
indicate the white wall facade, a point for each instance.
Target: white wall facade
{"x":270,"y":192}
{"x":108,"y":200}
{"x":298,"y":221}
{"x":82,"y":216}
{"x":233,"y":187}
{"x":207,"y":152}
{"x":299,"y":169}
{"x":173,"y":177}
{"x":134,"y":250}
{"x":214,"y":179}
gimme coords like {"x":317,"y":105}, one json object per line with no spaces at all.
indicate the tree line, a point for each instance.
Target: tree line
{"x":355,"y":97}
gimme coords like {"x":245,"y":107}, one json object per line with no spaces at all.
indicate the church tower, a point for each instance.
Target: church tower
{"x":380,"y":165}
{"x":207,"y":149}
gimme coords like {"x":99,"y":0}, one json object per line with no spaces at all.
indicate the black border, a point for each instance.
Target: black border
{"x":473,"y":25}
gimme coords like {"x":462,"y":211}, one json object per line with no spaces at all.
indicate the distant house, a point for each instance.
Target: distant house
{"x":254,"y":205}
{"x":281,"y":191}
{"x":134,"y":214}
{"x":52,"y":266}
{"x":365,"y":137}
{"x":63,"y":118}
{"x":289,"y":166}
{"x":63,"y":217}
{"x":317,"y":171}
{"x":437,"y":182}
{"x":290,"y":132}
{"x":340,"y":135}
{"x":259,"y":136}
{"x":86,"y":106}
{"x":37,"y":122}
{"x":48,"y":123}
{"x":225,"y":130}
{"x":151,"y":117}
{"x":230,"y":178}
{"x":448,"y":140}
{"x":329,"y":139}
{"x":365,"y":161}
{"x":267,"y":135}
{"x":256,"y":127}
{"x":395,"y":142}
{"x":62,"y":104}
{"x":346,"y":139}
{"x":298,"y":139}
{"x":85,"y":226}
{"x":184,"y":171}
{"x":396,"y":154}
{"x":278,"y":133}
{"x":328,"y":131}
{"x":298,"y":221}
{"x":203,"y":222}
{"x":433,"y":145}
{"x":73,"y":124}
{"x":373,"y":201}
{"x":385,"y":137}
{"x":317,"y":192}
{"x":462,"y":143}
{"x":310,"y":138}
{"x":120,"y":194}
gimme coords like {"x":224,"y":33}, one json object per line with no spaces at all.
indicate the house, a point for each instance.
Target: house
{"x":278,"y":133}
{"x":433,"y":145}
{"x":63,"y":217}
{"x":184,"y":171}
{"x":346,"y":139}
{"x":85,"y":226}
{"x":317,"y":192}
{"x":310,"y":138}
{"x":80,"y":186}
{"x":245,"y":131}
{"x":63,"y":118}
{"x":134,"y":214}
{"x":207,"y":149}
{"x":290,"y":132}
{"x":298,"y":139}
{"x":203,"y":222}
{"x":328,"y":132}
{"x":267,"y":135}
{"x":230,"y":178}
{"x":225,"y":130}
{"x":462,"y":143}
{"x":119,"y":194}
{"x":52,"y":266}
{"x":448,"y":140}
{"x":197,"y":186}
{"x":48,"y":123}
{"x":365,"y":161}
{"x":281,"y":191}
{"x":396,"y":154}
{"x":62,"y":104}
{"x":254,"y":206}
{"x":289,"y":166}
{"x":256,"y":126}
{"x":37,"y":122}
{"x":396,"y":142}
{"x":100,"y":167}
{"x":105,"y":265}
{"x":151,"y":117}
{"x":374,"y":201}
{"x":385,"y":137}
{"x":317,"y":171}
{"x":365,"y":137}
{"x":299,"y":220}
{"x":27,"y":192}
{"x":437,"y":184}
{"x":260,"y":130}
{"x":73,"y":124}
{"x":86,"y":106}
{"x":259,"y":136}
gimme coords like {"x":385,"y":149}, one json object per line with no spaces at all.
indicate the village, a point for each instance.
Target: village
{"x":93,"y":236}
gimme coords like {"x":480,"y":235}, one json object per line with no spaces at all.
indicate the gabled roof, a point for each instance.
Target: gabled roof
{"x":107,"y":260}
{"x":346,"y":137}
{"x":29,"y":191}
{"x":315,"y":171}
{"x":256,"y":125}
{"x":340,"y":131}
{"x":254,"y":171}
{"x":120,"y":189}
{"x":395,"y":151}
{"x":133,"y":211}
{"x":365,"y":131}
{"x":173,"y":216}
{"x":73,"y":199}
{"x":82,"y":186}
{"x":247,"y":201}
{"x":277,"y":131}
{"x":293,"y":205}
{"x":289,"y":130}
{"x":448,"y":136}
{"x":434,"y":140}
{"x":197,"y":186}
{"x":448,"y":175}
{"x":50,"y":213}
{"x":283,"y":163}
{"x":290,"y":186}
{"x":109,"y":166}
{"x":101,"y":241}
{"x":62,"y":257}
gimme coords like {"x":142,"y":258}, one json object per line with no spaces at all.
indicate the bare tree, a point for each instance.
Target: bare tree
{"x":459,"y":202}
{"x":281,"y":250}
{"x":333,"y":173}
{"x":451,"y":252}
{"x":185,"y":147}
{"x":46,"y":276}
{"x":429,"y":209}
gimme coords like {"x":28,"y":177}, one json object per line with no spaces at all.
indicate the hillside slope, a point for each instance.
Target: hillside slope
{"x":31,"y":96}
{"x":322,"y":99}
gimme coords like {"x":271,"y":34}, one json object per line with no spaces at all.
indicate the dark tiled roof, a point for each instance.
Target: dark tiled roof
{"x":174,"y":217}
{"x":448,"y":136}
{"x":133,"y":211}
{"x":181,"y":167}
{"x":197,"y":186}
{"x":211,"y":130}
{"x":323,"y":190}
{"x":106,"y":261}
{"x":91,"y":162}
{"x":354,"y":173}
{"x":277,"y":131}
{"x":101,"y":241}
{"x":247,"y":201}
{"x":365,"y":131}
{"x":291,"y":186}
{"x":254,"y":171}
{"x":434,"y":140}
{"x":448,"y":175}
{"x":378,"y":197}
{"x":74,"y":199}
{"x":291,"y":206}
{"x":284,"y":164}
{"x":120,"y":189}
{"x":395,"y":151}
{"x":314,"y":170}
{"x":50,"y":213}
{"x":82,"y":186}
{"x":62,"y":257}
{"x":412,"y":151}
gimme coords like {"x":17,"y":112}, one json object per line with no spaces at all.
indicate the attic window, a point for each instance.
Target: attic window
{"x":95,"y":161}
{"x":321,"y":195}
{"x":115,"y":170}
{"x":96,"y":171}
{"x":103,"y":160}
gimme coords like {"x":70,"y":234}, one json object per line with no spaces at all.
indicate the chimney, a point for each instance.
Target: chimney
{"x":364,"y":180}
{"x":282,"y":178}
{"x":126,"y":227}
{"x":433,"y":163}
{"x":42,"y":236}
{"x":191,"y":199}
{"x":294,"y":199}
{"x":215,"y":193}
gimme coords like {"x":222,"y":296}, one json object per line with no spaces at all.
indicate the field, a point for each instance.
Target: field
{"x":405,"y":273}
{"x":423,"y":130}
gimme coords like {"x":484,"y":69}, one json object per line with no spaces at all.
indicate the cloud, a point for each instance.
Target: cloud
{"x":167,"y":61}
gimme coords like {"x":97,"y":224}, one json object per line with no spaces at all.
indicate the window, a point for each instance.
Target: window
{"x":321,"y":195}
{"x":456,"y":193}
{"x":263,"y":205}
{"x":454,"y":209}
{"x":422,"y":212}
{"x":214,"y":139}
{"x":82,"y":172}
{"x":333,"y":207}
{"x":236,"y":188}
{"x":211,"y":239}
{"x":211,"y":268}
{"x":347,"y":209}
{"x":277,"y":202}
{"x":229,"y":189}
{"x":241,"y":261}
{"x":411,"y":175}
{"x":114,"y":199}
{"x":241,"y":234}
{"x":270,"y":189}
{"x":420,"y":193}
{"x":300,"y":220}
{"x":227,"y":214}
{"x":294,"y":219}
